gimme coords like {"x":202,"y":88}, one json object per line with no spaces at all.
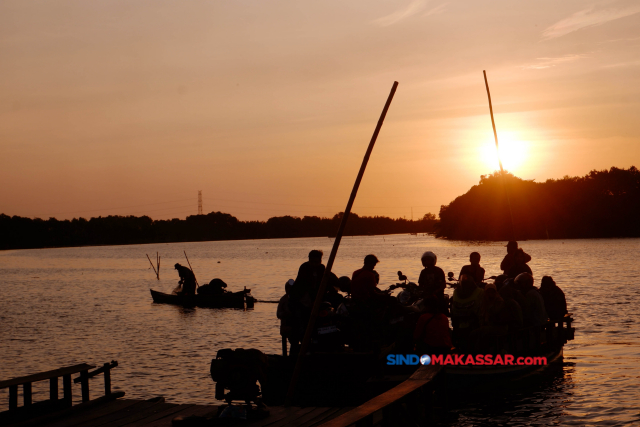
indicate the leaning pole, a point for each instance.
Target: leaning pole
{"x":306,"y":341}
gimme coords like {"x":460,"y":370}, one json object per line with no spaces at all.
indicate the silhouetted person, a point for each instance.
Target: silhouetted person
{"x":534,"y":311}
{"x":364,"y":282}
{"x":465,"y":308}
{"x":511,"y":314}
{"x":554,"y":300}
{"x":474,"y":270}
{"x":187,"y":280}
{"x":284,"y":314}
{"x":432,"y":279}
{"x":499,"y":281}
{"x":432,"y":334}
{"x":303,"y":293}
{"x":331,"y":295}
{"x":519,"y":265}
{"x":510,"y":258}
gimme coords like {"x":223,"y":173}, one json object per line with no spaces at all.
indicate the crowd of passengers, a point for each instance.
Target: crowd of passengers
{"x":479,"y":310}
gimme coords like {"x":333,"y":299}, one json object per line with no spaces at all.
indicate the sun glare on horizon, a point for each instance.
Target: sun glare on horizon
{"x":513,"y":152}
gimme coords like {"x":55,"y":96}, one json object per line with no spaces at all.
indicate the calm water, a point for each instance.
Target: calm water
{"x":66,"y":306}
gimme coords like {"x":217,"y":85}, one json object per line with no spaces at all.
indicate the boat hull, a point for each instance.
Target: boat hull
{"x":226,"y":300}
{"x":465,"y":375}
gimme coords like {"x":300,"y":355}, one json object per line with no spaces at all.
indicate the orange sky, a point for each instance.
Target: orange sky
{"x":130,"y":107}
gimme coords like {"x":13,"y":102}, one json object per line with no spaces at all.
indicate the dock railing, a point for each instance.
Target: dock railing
{"x":29,"y":409}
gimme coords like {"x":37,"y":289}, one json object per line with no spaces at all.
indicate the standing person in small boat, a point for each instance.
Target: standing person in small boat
{"x":509,"y":259}
{"x":554,"y":300}
{"x":187,"y":280}
{"x":474,"y":270}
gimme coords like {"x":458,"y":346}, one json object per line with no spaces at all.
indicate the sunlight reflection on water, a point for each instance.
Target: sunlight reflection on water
{"x":72,"y":305}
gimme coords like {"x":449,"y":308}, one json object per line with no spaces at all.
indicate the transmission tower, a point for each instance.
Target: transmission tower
{"x":199,"y":202}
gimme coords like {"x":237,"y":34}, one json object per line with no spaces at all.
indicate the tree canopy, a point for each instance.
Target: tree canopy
{"x":600,"y":204}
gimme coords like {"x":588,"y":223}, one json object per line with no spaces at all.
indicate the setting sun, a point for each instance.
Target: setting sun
{"x":513,"y":151}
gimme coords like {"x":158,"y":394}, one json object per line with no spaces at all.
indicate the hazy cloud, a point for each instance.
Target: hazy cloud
{"x":552,"y":62}
{"x":436,"y":10}
{"x":587,"y":18}
{"x":413,"y":8}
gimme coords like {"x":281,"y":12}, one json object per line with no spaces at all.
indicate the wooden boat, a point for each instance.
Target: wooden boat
{"x":241,"y":299}
{"x":547,"y":344}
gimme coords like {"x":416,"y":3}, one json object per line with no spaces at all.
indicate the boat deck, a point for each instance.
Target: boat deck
{"x":157,"y":413}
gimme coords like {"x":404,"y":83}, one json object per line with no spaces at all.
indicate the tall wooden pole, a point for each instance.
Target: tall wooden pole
{"x":306,"y":341}
{"x":495,"y":135}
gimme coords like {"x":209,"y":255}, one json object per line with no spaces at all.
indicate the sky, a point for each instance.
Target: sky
{"x":129,"y":107}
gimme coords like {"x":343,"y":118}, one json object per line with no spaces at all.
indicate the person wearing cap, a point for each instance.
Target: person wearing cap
{"x":432,"y":279}
{"x":519,"y":265}
{"x":187,"y":280}
{"x":364,"y":282}
{"x":510,"y":258}
{"x":474,"y":270}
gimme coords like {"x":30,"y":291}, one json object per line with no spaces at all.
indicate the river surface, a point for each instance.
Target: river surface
{"x":60,"y":307}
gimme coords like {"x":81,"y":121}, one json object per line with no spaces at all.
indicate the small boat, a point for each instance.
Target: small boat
{"x":241,"y":299}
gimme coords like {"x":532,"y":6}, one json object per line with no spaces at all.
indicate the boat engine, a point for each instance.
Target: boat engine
{"x":239,"y":371}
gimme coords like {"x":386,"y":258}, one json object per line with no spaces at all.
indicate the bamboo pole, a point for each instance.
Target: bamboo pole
{"x":194,"y":274}
{"x":334,"y":250}
{"x":495,"y":135}
{"x":152,"y":266}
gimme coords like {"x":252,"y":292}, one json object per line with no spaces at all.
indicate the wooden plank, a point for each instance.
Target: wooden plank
{"x":68,"y":411}
{"x":93,"y":413}
{"x":46,"y":375}
{"x":325,"y":416}
{"x":135,"y":414}
{"x":293,"y":414}
{"x":13,"y":397}
{"x":162,"y":417}
{"x":197,"y":410}
{"x":84,"y":382}
{"x":111,"y":419}
{"x":276,"y":413}
{"x":376,"y":404}
{"x":26,"y":394}
{"x":317,"y":412}
{"x":426,"y":373}
{"x":53,"y":388}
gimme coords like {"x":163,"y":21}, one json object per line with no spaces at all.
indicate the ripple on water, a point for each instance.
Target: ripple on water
{"x":93,"y":305}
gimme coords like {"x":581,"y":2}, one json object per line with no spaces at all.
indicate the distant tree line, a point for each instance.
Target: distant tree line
{"x":22,"y":233}
{"x":600,"y":204}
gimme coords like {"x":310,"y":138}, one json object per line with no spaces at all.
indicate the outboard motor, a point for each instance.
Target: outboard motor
{"x":239,"y":371}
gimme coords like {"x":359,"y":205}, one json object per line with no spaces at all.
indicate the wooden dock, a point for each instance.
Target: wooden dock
{"x":389,"y":408}
{"x":157,"y":413}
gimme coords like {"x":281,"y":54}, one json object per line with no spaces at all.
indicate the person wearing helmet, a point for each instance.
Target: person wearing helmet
{"x":431,"y":280}
{"x":187,"y":280}
{"x":534,"y":311}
